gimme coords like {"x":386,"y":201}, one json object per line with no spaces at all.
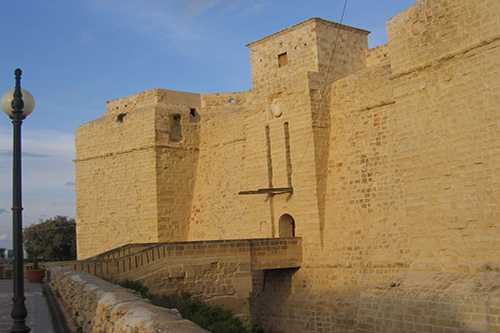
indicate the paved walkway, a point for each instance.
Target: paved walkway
{"x":39,"y":318}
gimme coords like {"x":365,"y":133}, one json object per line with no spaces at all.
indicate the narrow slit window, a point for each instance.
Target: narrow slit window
{"x":175,"y":128}
{"x":282,"y":60}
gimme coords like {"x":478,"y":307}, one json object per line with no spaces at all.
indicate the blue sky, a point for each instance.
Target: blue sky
{"x":76,"y":55}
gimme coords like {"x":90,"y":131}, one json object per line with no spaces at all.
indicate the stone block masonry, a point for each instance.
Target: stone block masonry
{"x":432,"y":302}
{"x":127,"y":163}
{"x":218,"y":272}
{"x":99,"y":306}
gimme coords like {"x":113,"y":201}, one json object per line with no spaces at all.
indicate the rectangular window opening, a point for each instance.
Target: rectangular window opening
{"x":282,"y":60}
{"x":195,"y":116}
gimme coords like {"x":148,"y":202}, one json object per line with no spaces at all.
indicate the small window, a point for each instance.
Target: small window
{"x":195,"y":117}
{"x":282,"y":60}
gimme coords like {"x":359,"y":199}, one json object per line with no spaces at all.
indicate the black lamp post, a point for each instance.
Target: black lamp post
{"x":17,"y":109}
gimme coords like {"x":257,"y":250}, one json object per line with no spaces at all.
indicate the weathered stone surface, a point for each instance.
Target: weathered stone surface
{"x":216,"y":272}
{"x":99,"y":306}
{"x":432,"y":301}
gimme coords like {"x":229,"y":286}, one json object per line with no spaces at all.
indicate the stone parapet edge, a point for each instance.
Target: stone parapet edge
{"x":100,"y":306}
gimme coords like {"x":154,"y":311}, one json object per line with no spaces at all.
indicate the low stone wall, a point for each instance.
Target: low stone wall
{"x":100,"y":306}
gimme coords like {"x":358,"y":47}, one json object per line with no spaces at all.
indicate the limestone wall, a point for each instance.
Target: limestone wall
{"x":365,"y":224}
{"x":286,"y":124}
{"x":133,"y":166}
{"x":307,"y":47}
{"x":377,"y":55}
{"x":116,"y":182}
{"x":217,"y":272}
{"x":220,"y":173}
{"x":413,"y":157}
{"x":448,"y":139}
{"x":410,"y":302}
{"x":99,"y":306}
{"x":412,"y":172}
{"x":430,"y":32}
{"x":181,"y":159}
{"x":431,"y":302}
{"x":150,"y":98}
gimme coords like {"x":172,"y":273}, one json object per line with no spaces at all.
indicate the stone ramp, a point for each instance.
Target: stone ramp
{"x":218,"y":272}
{"x":122,"y":251}
{"x":262,"y":254}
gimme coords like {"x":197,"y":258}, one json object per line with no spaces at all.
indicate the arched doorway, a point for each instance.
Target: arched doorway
{"x":286,"y":226}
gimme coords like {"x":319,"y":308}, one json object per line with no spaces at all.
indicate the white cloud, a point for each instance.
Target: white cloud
{"x":47,"y":171}
{"x":181,"y":26}
{"x":49,"y":142}
{"x":87,"y":36}
{"x":255,"y":8}
{"x":157,"y":20}
{"x":39,"y":143}
{"x":47,"y":159}
{"x":198,"y":7}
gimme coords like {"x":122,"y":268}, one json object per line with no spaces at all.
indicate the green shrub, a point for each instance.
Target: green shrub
{"x":134,"y":285}
{"x":185,"y":305}
{"x":212,"y":318}
{"x":217,"y":319}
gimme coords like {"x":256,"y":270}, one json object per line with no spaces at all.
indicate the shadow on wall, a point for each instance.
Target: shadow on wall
{"x":271,"y":284}
{"x":429,"y":301}
{"x":414,"y":301}
{"x":275,"y":307}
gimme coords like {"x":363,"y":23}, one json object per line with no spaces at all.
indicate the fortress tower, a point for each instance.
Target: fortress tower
{"x":385,"y":162}
{"x":165,"y":166}
{"x":135,"y":171}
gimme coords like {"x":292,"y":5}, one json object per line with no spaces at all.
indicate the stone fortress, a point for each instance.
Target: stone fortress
{"x":383,"y":162}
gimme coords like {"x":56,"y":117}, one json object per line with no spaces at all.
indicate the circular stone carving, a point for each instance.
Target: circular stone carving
{"x":276,"y":108}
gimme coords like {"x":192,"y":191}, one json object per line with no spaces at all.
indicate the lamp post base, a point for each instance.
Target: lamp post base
{"x":19,"y":314}
{"x":21,"y":329}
